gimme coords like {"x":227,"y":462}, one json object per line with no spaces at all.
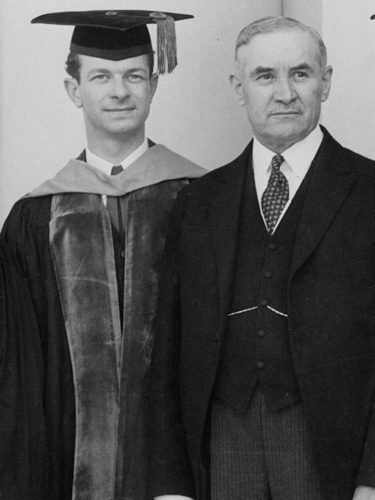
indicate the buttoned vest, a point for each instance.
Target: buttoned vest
{"x":256,"y":347}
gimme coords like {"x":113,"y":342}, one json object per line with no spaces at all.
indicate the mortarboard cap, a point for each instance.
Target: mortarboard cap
{"x":120,"y":34}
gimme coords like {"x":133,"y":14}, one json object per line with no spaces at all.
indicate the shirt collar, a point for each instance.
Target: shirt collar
{"x":298,"y":157}
{"x":106,"y":167}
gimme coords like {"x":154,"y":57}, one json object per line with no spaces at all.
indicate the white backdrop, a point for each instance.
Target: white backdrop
{"x":193,"y":112}
{"x":349,"y":34}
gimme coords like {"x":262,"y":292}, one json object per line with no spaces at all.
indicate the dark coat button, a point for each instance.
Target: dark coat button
{"x":264,"y":302}
{"x":260,"y":365}
{"x":261,"y":333}
{"x":268,"y":274}
{"x":273,"y":246}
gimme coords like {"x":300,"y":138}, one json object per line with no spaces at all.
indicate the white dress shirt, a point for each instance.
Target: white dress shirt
{"x":106,"y":167}
{"x":298,"y":159}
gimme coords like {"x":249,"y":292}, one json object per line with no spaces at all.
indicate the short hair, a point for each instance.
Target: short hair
{"x":73,"y":65}
{"x":272,"y":24}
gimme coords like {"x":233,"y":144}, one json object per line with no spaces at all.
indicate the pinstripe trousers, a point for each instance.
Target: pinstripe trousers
{"x":260,"y":454}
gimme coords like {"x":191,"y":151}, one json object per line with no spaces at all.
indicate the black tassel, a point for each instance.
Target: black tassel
{"x":166,"y":42}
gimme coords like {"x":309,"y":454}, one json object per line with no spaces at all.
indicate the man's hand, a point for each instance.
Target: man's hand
{"x":172,"y":497}
{"x":363,"y":493}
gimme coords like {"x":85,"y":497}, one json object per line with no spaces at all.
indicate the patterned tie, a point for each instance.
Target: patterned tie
{"x":275,"y":195}
{"x":114,"y":204}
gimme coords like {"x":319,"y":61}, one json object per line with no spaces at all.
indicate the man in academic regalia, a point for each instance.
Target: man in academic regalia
{"x":89,"y":243}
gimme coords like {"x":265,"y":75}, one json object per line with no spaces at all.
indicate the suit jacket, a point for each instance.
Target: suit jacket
{"x":331,"y":308}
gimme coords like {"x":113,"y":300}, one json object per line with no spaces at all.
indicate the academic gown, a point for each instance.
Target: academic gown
{"x":23,"y":450}
{"x":96,"y":374}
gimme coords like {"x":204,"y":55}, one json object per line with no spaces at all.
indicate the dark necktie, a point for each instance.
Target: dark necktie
{"x":276,"y":194}
{"x":114,"y":205}
{"x":116,"y":210}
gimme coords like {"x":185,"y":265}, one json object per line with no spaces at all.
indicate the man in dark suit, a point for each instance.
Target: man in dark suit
{"x":264,"y":365}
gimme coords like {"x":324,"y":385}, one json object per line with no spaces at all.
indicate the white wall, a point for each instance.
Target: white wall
{"x":193,"y":112}
{"x":306,"y":11}
{"x":349,"y":35}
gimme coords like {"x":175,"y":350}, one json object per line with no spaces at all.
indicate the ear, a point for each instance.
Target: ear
{"x":236,"y":83}
{"x":327,"y":78}
{"x":73,"y":90}
{"x":153,"y":84}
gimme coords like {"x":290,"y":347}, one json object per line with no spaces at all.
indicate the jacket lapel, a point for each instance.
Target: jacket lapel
{"x":224,"y":215}
{"x":328,"y":189}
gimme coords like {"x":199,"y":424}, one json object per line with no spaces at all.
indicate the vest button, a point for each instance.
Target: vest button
{"x":264,"y":302}
{"x":123,"y":254}
{"x":273,"y":246}
{"x":261,"y":333}
{"x":260,"y":365}
{"x":268,"y":274}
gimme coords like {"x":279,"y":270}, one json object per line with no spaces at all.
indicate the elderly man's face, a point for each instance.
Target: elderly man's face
{"x":282,"y":85}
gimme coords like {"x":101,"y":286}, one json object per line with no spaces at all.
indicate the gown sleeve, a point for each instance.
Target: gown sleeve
{"x":23,"y":449}
{"x":26,"y":234}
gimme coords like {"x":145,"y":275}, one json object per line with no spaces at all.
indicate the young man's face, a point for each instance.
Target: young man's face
{"x":115,"y":96}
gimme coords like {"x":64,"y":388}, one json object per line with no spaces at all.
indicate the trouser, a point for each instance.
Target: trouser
{"x":260,"y":454}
